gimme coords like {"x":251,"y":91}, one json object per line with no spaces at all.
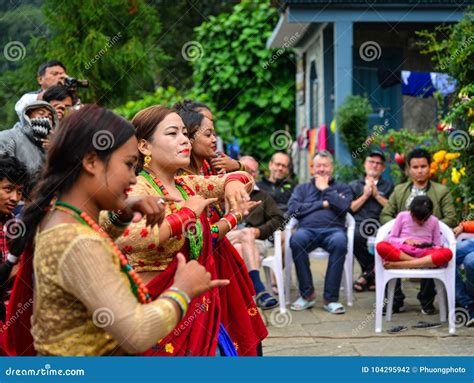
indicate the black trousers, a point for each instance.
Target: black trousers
{"x":426,"y":294}
{"x":361,"y":252}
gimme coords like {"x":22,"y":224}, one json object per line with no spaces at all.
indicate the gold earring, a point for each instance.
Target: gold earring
{"x":146,"y":161}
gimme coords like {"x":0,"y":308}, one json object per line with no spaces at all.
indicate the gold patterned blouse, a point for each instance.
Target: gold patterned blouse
{"x":83,"y":304}
{"x":141,"y":244}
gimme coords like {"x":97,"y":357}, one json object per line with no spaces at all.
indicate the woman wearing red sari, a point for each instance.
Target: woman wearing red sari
{"x":165,"y":148}
{"x":249,"y":330}
{"x":86,"y":299}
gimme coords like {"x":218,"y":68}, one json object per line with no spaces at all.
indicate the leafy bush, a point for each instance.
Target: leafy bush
{"x":251,"y":87}
{"x":352,"y":122}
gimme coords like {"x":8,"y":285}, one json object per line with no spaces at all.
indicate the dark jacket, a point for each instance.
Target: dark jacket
{"x":371,"y":207}
{"x":306,"y":205}
{"x":266,"y":217}
{"x":280,"y":191}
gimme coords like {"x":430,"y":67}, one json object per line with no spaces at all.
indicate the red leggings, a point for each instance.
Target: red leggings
{"x":388,"y":252}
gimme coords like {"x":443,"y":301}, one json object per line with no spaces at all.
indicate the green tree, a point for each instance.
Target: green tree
{"x":113,"y":44}
{"x":251,"y":87}
{"x":452,"y":50}
{"x":178,"y":21}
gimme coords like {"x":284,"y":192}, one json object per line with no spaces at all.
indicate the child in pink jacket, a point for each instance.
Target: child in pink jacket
{"x":415,"y":240}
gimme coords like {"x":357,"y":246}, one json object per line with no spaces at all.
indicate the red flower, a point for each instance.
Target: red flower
{"x":144,"y":233}
{"x":141,"y":262}
{"x":197,"y":187}
{"x":383,"y":146}
{"x":151,"y":246}
{"x":391,"y":139}
{"x":210,"y":187}
{"x":128,"y":249}
{"x":126,"y":232}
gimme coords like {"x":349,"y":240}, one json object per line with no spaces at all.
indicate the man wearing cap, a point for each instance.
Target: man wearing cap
{"x":370,"y":196}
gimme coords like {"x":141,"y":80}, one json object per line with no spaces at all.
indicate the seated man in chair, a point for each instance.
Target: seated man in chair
{"x":259,"y":226}
{"x":320,"y":206}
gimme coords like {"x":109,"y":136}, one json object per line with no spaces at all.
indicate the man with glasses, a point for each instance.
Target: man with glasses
{"x":278,"y":184}
{"x":371,"y":194}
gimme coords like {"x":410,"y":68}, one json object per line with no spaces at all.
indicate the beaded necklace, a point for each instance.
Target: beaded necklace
{"x":213,"y":209}
{"x":193,"y":233}
{"x":138,"y":287}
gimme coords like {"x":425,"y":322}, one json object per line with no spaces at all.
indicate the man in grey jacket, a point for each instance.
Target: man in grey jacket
{"x":27,"y":138}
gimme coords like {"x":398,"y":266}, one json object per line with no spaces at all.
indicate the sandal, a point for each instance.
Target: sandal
{"x":265,"y":301}
{"x":423,"y":324}
{"x":302,"y":304}
{"x":397,"y":329}
{"x":335,"y":308}
{"x":364,"y":282}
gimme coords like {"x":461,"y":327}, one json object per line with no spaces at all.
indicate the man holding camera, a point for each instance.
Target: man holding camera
{"x":50,"y":73}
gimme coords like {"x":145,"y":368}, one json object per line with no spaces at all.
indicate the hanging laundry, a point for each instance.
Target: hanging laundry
{"x":417,"y":84}
{"x":388,"y":78}
{"x":303,"y":138}
{"x":312,"y":142}
{"x":443,"y":83}
{"x":322,"y":138}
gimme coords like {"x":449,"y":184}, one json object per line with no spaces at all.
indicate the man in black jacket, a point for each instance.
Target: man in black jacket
{"x":370,"y":196}
{"x":278,"y":184}
{"x":258,"y":226}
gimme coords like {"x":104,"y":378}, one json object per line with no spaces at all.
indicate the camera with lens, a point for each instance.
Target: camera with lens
{"x":74,"y":83}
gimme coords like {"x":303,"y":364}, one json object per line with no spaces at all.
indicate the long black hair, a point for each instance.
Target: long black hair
{"x":89,"y":129}
{"x":190,"y":113}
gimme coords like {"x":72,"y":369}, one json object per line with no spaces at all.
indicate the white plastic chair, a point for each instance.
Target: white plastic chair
{"x":320,"y":253}
{"x":274,"y":263}
{"x":463,"y":236}
{"x":444,"y":279}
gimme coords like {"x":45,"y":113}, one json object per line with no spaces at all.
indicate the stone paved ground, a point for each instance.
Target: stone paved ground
{"x":316,"y":332}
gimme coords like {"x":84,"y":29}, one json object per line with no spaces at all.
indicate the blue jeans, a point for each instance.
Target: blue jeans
{"x":465,"y":256}
{"x":334,"y":241}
